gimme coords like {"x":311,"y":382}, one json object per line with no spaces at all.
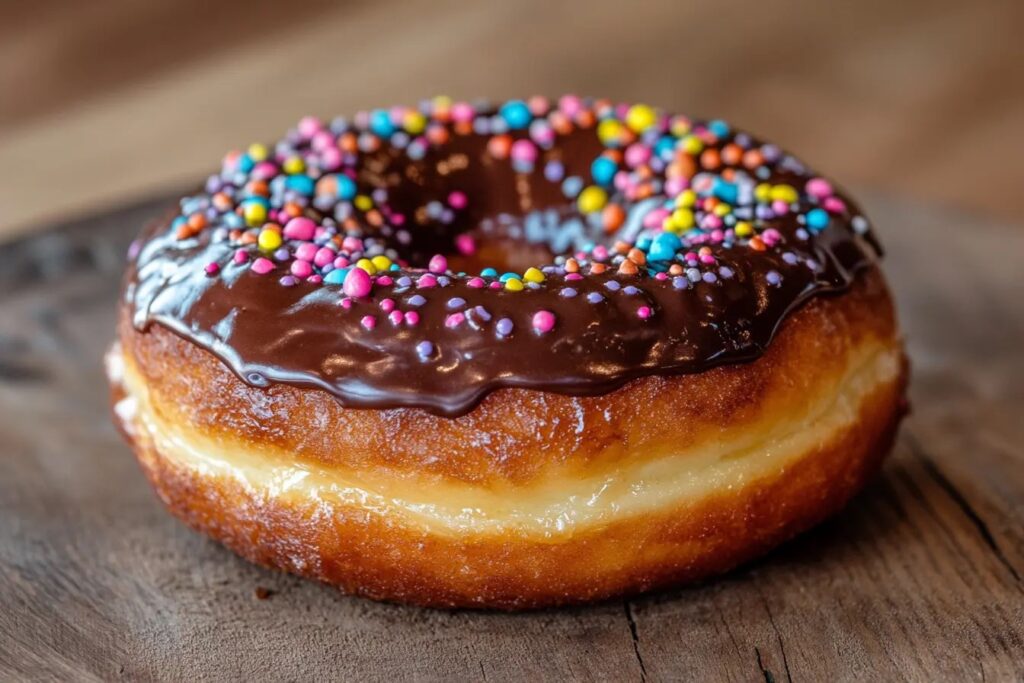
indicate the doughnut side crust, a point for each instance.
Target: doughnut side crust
{"x":532,"y":499}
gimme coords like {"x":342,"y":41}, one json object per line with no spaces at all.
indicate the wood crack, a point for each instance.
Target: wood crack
{"x":778,"y":635}
{"x":628,"y":609}
{"x":768,"y":677}
{"x":961,"y":502}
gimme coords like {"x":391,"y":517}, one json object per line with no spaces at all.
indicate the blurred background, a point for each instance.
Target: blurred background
{"x":109,"y":101}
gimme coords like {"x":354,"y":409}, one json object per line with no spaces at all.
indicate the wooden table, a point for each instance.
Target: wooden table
{"x":920,"y":578}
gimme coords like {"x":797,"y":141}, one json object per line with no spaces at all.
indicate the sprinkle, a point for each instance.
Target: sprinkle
{"x":262,"y":266}
{"x":817,"y":219}
{"x":640,"y":117}
{"x":456,"y":302}
{"x":592,"y":199}
{"x":300,"y":228}
{"x":424,"y":349}
{"x":357,"y":283}
{"x":644,"y":312}
{"x":417,"y":300}
{"x":514,"y":284}
{"x":543,"y":321}
{"x":368,"y":321}
{"x":516,"y":114}
{"x":504,"y":327}
{"x":533,"y":275}
{"x":567,"y":292}
{"x":595,"y":297}
{"x":455,"y":319}
{"x":212,"y":268}
{"x":438,"y":264}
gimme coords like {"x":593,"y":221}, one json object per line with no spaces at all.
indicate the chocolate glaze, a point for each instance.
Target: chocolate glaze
{"x":300,"y":335}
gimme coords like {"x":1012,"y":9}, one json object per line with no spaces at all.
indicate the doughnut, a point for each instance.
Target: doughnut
{"x":543,"y":353}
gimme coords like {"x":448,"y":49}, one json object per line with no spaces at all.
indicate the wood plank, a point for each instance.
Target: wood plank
{"x":919,"y":579}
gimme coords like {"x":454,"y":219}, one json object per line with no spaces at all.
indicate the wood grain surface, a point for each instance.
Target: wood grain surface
{"x":920,"y":578}
{"x":109,"y":99}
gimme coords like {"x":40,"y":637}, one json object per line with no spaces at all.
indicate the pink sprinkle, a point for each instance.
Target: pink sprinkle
{"x":314,"y":279}
{"x":387,"y":305}
{"x":496,"y":285}
{"x":655,"y":218}
{"x":307,"y":251}
{"x":264,"y":170}
{"x":330,"y":158}
{"x":771,"y":236}
{"x":369,"y":322}
{"x":462,"y":112}
{"x":573,"y":276}
{"x":323,"y":256}
{"x":819,"y":188}
{"x":212,"y":268}
{"x":357,"y":283}
{"x":341,"y":262}
{"x":543,"y":321}
{"x":707,"y":259}
{"x":637,"y":154}
{"x":241,"y":256}
{"x":309,"y":126}
{"x":570,"y":105}
{"x":384,"y":280}
{"x":457,"y":200}
{"x":661,"y":276}
{"x":301,"y":269}
{"x":352,"y":244}
{"x":834,"y":205}
{"x":262,"y":266}
{"x":644,"y":312}
{"x":523,"y":150}
{"x":396,"y":317}
{"x":438,"y":264}
{"x":412,"y":318}
{"x":426,"y":281}
{"x":345,"y":303}
{"x":780,"y":207}
{"x":600,"y":252}
{"x":465,"y":244}
{"x":475,"y":282}
{"x":300,"y":228}
{"x":454,"y":320}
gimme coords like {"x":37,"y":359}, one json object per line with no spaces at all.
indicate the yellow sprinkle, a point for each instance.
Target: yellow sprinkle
{"x":363,"y":203}
{"x":692,"y":145}
{"x":414,"y":122}
{"x":670,"y":225}
{"x":680,"y":127}
{"x":533,"y":275}
{"x":367,"y":265}
{"x":443,"y":102}
{"x":744,"y":229}
{"x":723,"y":209}
{"x":258,"y":152}
{"x":609,"y":132}
{"x":784,"y":193}
{"x":763,"y":193}
{"x":514,"y":285}
{"x":294,"y":165}
{"x":592,"y":199}
{"x":255,"y":214}
{"x":381,"y":262}
{"x":683,"y":218}
{"x":686,"y":199}
{"x":640,"y":117}
{"x":269,"y":240}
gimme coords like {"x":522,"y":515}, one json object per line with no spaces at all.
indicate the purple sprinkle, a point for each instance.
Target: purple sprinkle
{"x":567,"y":292}
{"x":417,"y":300}
{"x":504,"y":327}
{"x":443,"y":280}
{"x":680,"y":282}
{"x":456,"y":302}
{"x":630,"y":290}
{"x":790,"y":258}
{"x":425,"y":349}
{"x":595,"y":297}
{"x":289,"y":281}
{"x":613,"y":285}
{"x":773,"y":277}
{"x":482,"y":313}
{"x":726,"y":272}
{"x":709,"y":277}
{"x":282,"y":254}
{"x":404,"y":281}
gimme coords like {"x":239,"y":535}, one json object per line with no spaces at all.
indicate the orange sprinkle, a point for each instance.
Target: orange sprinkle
{"x":247,"y":238}
{"x":636,"y":256}
{"x":572,"y":265}
{"x":627,"y":267}
{"x":756,"y":244}
{"x":499,"y":146}
{"x":437,"y":135}
{"x":598,"y":268}
{"x":292,"y":209}
{"x":348,"y":143}
{"x":710,"y":158}
{"x":675,"y":269}
{"x":753,"y":158}
{"x":612,"y":217}
{"x":621,"y":247}
{"x":197,"y":222}
{"x":732,"y":154}
{"x":585,"y":119}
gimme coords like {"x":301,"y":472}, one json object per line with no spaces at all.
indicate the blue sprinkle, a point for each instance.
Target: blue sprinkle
{"x":516,"y":114}
{"x":456,"y":302}
{"x":380,"y":123}
{"x":571,"y":186}
{"x":346,"y":187}
{"x":554,"y":171}
{"x":336,"y":276}
{"x":417,"y":300}
{"x":509,"y":276}
{"x":245,"y":163}
{"x":817,"y":219}
{"x":504,"y":327}
{"x":603,"y":170}
{"x":724,"y":190}
{"x":719,"y":128}
{"x":664,"y":247}
{"x":300,"y":183}
{"x":488,"y":272}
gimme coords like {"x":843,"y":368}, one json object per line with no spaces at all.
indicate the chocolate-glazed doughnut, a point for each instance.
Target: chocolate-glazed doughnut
{"x":517,"y":356}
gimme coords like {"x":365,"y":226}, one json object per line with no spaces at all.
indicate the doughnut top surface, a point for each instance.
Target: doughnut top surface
{"x":426,"y":256}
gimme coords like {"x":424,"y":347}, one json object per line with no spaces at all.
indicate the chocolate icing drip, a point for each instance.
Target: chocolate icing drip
{"x":300,"y":335}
